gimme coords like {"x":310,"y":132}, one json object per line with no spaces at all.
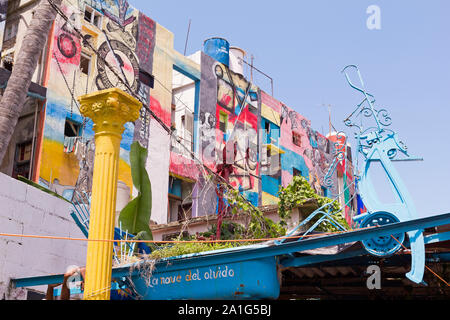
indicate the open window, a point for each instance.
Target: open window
{"x":22,"y":161}
{"x":296,"y":139}
{"x":8,"y":64}
{"x":297,"y":173}
{"x":180,"y":200}
{"x":183,"y":106}
{"x":85,"y":63}
{"x":93,"y":16}
{"x":223,"y":122}
{"x":72,"y":132}
{"x":72,"y":129}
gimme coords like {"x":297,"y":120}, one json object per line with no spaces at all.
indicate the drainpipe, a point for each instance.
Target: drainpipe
{"x":33,"y":143}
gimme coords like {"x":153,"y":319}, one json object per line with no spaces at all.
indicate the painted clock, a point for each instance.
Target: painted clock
{"x":124,"y":63}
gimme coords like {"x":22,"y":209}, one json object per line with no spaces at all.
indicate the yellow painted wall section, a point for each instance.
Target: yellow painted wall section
{"x":270,"y":114}
{"x":268,"y":199}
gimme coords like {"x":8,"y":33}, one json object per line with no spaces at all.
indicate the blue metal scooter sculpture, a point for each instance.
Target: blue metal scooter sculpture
{"x":380,"y":145}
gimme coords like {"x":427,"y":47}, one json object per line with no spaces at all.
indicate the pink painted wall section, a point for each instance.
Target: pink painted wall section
{"x":310,"y":153}
{"x":183,"y":167}
{"x":271,"y":102}
{"x":160,"y":112}
{"x":291,"y":123}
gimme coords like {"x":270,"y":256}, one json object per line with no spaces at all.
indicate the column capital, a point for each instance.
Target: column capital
{"x":109,"y":110}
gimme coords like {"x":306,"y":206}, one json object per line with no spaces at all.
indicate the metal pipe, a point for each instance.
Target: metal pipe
{"x":33,"y":142}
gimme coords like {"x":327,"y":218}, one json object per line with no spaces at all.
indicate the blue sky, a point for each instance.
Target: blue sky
{"x":304,"y":45}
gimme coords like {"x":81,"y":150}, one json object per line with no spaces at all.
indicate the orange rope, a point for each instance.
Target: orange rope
{"x":160,"y":242}
{"x":172,"y":242}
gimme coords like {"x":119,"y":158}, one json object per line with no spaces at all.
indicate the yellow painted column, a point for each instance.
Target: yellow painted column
{"x":109,"y":110}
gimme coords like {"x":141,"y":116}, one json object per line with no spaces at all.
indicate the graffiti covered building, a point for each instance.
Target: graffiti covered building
{"x":205,"y":116}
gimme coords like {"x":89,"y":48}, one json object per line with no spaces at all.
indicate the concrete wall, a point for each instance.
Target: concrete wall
{"x":29,"y":211}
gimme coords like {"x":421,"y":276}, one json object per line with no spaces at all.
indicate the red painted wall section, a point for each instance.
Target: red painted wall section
{"x":183,"y":167}
{"x":160,"y":112}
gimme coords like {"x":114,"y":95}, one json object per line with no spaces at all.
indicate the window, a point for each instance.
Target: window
{"x":72,"y":132}
{"x":11,"y":30}
{"x":223,"y":119}
{"x":324,"y":192}
{"x":267,"y":127}
{"x":85,"y":63}
{"x":22,"y":160}
{"x":93,"y":17}
{"x":72,"y":129}
{"x":8,"y":65}
{"x":296,"y":139}
{"x":97,"y":20}
{"x":297,"y":173}
{"x":24,"y":152}
{"x":88,"y":14}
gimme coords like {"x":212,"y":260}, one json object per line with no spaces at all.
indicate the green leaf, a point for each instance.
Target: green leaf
{"x":135,"y":217}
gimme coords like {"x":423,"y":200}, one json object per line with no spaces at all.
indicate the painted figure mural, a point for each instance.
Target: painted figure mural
{"x":229,"y":126}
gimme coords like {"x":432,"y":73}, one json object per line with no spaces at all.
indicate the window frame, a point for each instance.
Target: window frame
{"x":78,"y":125}
{"x":89,"y":57}
{"x":223,"y":116}
{"x":94,"y":13}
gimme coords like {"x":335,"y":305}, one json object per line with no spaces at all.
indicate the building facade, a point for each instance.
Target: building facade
{"x":205,"y":116}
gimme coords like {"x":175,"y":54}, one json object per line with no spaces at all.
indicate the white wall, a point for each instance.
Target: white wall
{"x":157,"y":166}
{"x":29,"y":211}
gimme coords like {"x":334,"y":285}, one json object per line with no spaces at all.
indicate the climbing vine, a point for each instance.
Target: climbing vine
{"x":258,"y":226}
{"x":297,"y":193}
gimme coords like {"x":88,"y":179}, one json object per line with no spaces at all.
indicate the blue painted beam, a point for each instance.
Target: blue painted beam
{"x":258,"y":251}
{"x":38,"y":281}
{"x":309,"y":260}
{"x":315,"y":259}
{"x":437,"y":237}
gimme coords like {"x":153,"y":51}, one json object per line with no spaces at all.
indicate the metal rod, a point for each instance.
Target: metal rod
{"x":33,"y":142}
{"x":187,"y":37}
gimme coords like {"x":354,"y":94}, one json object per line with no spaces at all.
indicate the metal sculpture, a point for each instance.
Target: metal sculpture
{"x":377,"y":144}
{"x":340,"y":151}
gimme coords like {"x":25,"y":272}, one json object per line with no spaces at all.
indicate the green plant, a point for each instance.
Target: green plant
{"x":180,"y":249}
{"x":297,"y":193}
{"x":259,"y":226}
{"x":135,"y":217}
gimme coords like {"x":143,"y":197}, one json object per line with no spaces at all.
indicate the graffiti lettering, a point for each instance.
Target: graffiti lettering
{"x":291,"y":115}
{"x":146,"y":42}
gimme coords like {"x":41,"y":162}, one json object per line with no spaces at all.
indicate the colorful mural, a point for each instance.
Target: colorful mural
{"x":228,"y":121}
{"x":299,"y":149}
{"x":263,"y":142}
{"x":113,"y":33}
{"x":243,"y":134}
